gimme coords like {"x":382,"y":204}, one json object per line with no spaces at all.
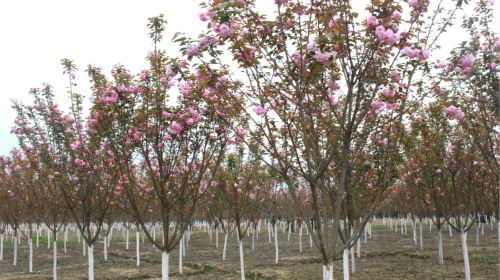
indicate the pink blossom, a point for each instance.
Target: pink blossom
{"x":493,"y":66}
{"x":175,"y":128}
{"x":205,"y":15}
{"x":79,"y":162}
{"x":75,"y":145}
{"x":298,"y":59}
{"x":257,"y":109}
{"x":388,"y":92}
{"x":377,"y":105}
{"x":167,"y":137}
{"x":333,"y":21}
{"x":425,"y":54}
{"x":391,"y":106}
{"x":411,"y":52}
{"x":241,"y":132}
{"x":191,"y":50}
{"x":413,"y":3}
{"x":453,"y":112}
{"x":388,"y":36}
{"x":325,"y":58}
{"x":396,"y":15}
{"x":441,"y":64}
{"x":372,"y":21}
{"x":252,"y":196}
{"x":136,"y":135}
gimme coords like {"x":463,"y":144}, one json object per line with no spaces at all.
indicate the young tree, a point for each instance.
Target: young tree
{"x":317,"y":80}
{"x":166,"y":148}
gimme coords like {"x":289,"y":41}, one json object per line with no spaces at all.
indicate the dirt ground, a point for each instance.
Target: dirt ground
{"x":387,"y":255}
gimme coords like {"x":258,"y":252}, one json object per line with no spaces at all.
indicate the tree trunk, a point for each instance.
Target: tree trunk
{"x":300,"y":239}
{"x":440,"y":247}
{"x":90,"y":254}
{"x":14,"y":261}
{"x":414,"y":226}
{"x":225,"y":247}
{"x":328,"y":271}
{"x":137,"y":248}
{"x":54,"y":261}
{"x":276,"y":243}
{"x":465,"y":251}
{"x":345,"y":262}
{"x":181,"y":245}
{"x":164,"y":265}
{"x":126,"y":239}
{"x":242,"y":262}
{"x":421,"y":237}
{"x":30,"y":245}
{"x":477,"y":233}
{"x":353,"y":261}
{"x":358,"y":245}
{"x":1,"y":246}
{"x":105,"y":248}
{"x":217,"y":238}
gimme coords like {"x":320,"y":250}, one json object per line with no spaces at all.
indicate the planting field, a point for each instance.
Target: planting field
{"x":387,"y":255}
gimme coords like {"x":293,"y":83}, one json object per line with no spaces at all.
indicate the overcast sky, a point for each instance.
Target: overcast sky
{"x":36,"y":34}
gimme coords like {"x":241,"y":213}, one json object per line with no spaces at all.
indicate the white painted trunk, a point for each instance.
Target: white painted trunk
{"x":269,"y":232}
{"x":1,"y":246}
{"x":421,"y":237}
{"x":30,"y":265}
{"x":477,"y":233}
{"x":440,"y":247}
{"x":328,"y":272}
{"x":164,"y":265}
{"x":345,"y":264}
{"x":14,"y":261}
{"x":414,"y":226}
{"x":300,"y":239}
{"x":90,"y":256}
{"x":353,"y":261}
{"x":276,"y":243}
{"x":217,"y":238}
{"x":37,"y":238}
{"x":253,"y":239}
{"x":181,"y":245}
{"x":137,"y":249}
{"x":465,"y":251}
{"x":310,"y":241}
{"x":210,"y":233}
{"x":225,"y":247}
{"x":289,"y":231}
{"x":84,"y":245}
{"x":105,"y":246}
{"x":126,"y":238}
{"x":48,"y":240}
{"x":449,"y":228}
{"x":65,"y":238}
{"x":54,"y":261}
{"x":358,"y":248}
{"x":242,"y":262}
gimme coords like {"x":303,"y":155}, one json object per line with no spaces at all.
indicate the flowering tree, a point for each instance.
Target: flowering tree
{"x":240,"y":185}
{"x":75,"y":155}
{"x":317,"y":81}
{"x":167,"y":150}
{"x":472,"y":82}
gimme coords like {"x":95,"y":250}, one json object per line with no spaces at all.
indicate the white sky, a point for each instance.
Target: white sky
{"x":36,"y":34}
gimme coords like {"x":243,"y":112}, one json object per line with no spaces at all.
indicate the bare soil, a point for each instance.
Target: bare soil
{"x":387,"y":255}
